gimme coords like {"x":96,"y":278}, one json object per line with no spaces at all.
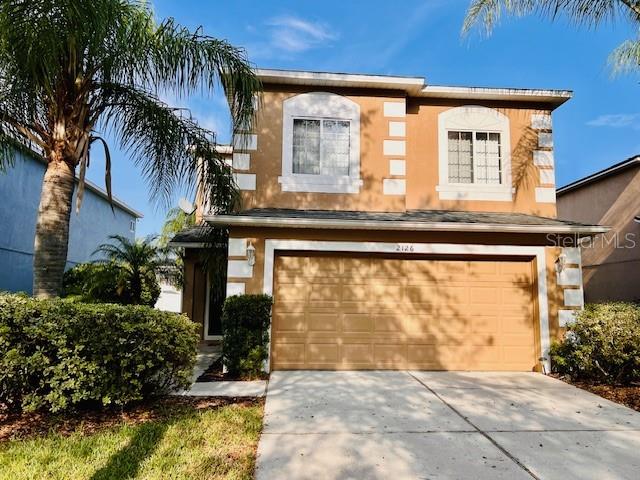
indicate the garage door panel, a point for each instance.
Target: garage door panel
{"x":388,"y":322}
{"x":289,"y":322}
{"x":452,"y":269}
{"x":328,"y":265}
{"x":290,"y":306}
{"x":288,"y":353}
{"x":484,"y":324}
{"x":387,"y":269}
{"x":354,"y":293}
{"x":390,"y":354}
{"x":396,"y":313}
{"x":324,"y":293}
{"x":357,"y":353}
{"x":323,"y":353}
{"x":515,"y":295}
{"x":421,"y":293}
{"x":288,"y":292}
{"x":357,"y":322}
{"x":455,"y":334}
{"x":421,"y":353}
{"x":514,"y":326}
{"x":323,"y":322}
{"x":484,"y":296}
{"x":417,"y":324}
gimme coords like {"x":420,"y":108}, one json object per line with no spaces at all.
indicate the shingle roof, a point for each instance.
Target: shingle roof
{"x":418,"y":220}
{"x":193,"y":235}
{"x":426,"y":216}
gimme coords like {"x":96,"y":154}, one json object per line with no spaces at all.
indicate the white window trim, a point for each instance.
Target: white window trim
{"x":320,"y":105}
{"x":474,"y":118}
{"x":539,"y":253}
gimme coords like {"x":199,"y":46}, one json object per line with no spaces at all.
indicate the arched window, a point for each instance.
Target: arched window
{"x":474,"y":148}
{"x":320,"y":144}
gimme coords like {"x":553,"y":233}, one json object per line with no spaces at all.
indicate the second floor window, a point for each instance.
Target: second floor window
{"x":474,"y":157}
{"x":321,"y":147}
{"x":320,"y":144}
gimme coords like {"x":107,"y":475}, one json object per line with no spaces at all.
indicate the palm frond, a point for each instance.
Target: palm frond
{"x":186,"y":62}
{"x":166,"y":142}
{"x":590,"y":13}
{"x":175,"y":221}
{"x":626,"y":57}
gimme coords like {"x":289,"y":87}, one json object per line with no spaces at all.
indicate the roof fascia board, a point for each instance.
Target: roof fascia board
{"x":414,"y":86}
{"x":557,"y":97}
{"x":294,"y":77}
{"x":337,"y":224}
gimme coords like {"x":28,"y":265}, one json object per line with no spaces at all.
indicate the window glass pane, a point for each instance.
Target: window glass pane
{"x":306,"y":146}
{"x":460,"y":157}
{"x":335,"y":148}
{"x":488,"y":158}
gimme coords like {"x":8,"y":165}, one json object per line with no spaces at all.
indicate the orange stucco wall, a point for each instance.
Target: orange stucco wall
{"x":421,"y":157}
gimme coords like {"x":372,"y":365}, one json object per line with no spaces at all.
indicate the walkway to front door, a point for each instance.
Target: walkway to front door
{"x":445,"y":425}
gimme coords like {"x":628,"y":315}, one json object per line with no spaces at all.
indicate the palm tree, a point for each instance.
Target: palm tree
{"x":589,"y":13}
{"x":171,"y":269}
{"x":71,"y":70}
{"x":137,"y":261}
{"x":175,"y":221}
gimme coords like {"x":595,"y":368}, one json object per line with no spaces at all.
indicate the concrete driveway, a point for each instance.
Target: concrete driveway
{"x":442,"y":425}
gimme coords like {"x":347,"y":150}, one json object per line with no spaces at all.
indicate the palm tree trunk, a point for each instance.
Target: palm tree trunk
{"x":52,"y":229}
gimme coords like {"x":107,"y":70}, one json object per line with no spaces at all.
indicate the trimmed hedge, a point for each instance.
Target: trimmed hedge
{"x":56,"y":355}
{"x":245,"y":333}
{"x":105,"y":283}
{"x":603,"y":344}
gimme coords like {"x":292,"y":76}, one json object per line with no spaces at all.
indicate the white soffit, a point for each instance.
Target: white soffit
{"x":557,"y":97}
{"x":332,"y":79}
{"x":413,"y":86}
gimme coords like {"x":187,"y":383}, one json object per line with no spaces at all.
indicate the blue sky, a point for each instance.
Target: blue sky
{"x":598,"y":127}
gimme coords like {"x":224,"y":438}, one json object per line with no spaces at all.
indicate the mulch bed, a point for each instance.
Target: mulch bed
{"x":628,"y":396}
{"x":23,"y":425}
{"x":214,"y":374}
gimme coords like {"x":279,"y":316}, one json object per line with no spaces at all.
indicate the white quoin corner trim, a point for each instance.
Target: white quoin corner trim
{"x":539,"y":253}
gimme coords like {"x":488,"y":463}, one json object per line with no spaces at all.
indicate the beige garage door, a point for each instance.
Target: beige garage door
{"x":396,"y":313}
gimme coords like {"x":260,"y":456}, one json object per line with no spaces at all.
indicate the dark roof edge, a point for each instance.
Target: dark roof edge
{"x":589,"y":179}
{"x":401,"y":225}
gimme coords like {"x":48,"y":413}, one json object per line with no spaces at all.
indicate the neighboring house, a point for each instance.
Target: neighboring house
{"x":610,"y":262}
{"x":20,"y":189}
{"x":398,"y":225}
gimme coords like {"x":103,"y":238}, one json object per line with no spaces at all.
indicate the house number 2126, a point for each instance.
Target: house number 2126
{"x":404,"y":248}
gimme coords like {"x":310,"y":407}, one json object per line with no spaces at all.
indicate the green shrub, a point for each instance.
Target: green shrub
{"x":56,"y":355}
{"x":106,"y":283}
{"x":603,"y":344}
{"x":245,"y":333}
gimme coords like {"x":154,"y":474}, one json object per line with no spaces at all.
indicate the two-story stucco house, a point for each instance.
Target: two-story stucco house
{"x":399,"y":225}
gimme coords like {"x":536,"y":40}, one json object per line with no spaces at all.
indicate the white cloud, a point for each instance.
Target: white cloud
{"x":294,"y":35}
{"x":617,"y":120}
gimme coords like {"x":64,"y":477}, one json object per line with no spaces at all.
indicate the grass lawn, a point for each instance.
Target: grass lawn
{"x":175,"y":439}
